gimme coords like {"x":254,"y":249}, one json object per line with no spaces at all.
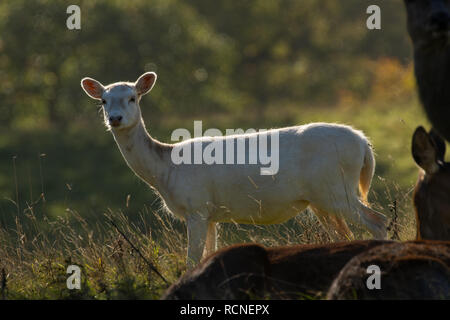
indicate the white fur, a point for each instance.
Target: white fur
{"x":320,"y":165}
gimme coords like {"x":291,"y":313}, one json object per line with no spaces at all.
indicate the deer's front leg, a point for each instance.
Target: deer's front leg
{"x":211,"y":239}
{"x":197,"y":228}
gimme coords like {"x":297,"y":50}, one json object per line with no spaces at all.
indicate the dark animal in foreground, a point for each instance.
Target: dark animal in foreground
{"x":429,"y":29}
{"x":253,"y":271}
{"x":410,"y":270}
{"x":432,"y":191}
{"x":413,"y":270}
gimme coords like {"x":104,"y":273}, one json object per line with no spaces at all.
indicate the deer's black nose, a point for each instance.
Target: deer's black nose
{"x":439,"y":21}
{"x":115,"y":120}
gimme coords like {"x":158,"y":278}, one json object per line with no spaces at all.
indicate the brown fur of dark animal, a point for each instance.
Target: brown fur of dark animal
{"x":253,"y":271}
{"x":413,"y":270}
{"x":432,"y":192}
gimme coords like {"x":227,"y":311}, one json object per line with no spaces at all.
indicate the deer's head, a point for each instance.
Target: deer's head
{"x":120,"y":100}
{"x":432,"y":191}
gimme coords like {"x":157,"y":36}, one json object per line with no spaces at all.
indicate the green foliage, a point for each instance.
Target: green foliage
{"x":307,"y":50}
{"x":43,"y":62}
{"x":210,"y":55}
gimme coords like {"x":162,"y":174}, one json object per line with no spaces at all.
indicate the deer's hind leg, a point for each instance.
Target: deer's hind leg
{"x":374,"y":220}
{"x":335,"y":226}
{"x":342,"y":228}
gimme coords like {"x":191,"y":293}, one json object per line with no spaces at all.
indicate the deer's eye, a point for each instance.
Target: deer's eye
{"x":132,"y":99}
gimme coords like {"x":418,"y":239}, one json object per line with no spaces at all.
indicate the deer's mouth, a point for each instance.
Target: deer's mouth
{"x":114,"y":123}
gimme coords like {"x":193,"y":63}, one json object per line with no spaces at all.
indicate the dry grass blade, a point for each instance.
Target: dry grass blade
{"x":152,"y":267}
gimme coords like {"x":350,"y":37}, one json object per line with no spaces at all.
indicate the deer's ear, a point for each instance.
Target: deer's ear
{"x":424,"y":151}
{"x":93,"y":88}
{"x":438,"y":143}
{"x":145,"y":83}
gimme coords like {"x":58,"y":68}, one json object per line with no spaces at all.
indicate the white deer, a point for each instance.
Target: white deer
{"x":320,"y":165}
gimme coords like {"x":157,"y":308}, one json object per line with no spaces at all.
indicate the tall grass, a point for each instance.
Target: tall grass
{"x":34,"y":256}
{"x":35,"y":262}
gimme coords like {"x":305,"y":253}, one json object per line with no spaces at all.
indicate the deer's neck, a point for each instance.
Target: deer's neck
{"x":147,"y":157}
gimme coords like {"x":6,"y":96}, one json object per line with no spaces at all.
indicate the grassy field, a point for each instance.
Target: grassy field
{"x":56,"y":196}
